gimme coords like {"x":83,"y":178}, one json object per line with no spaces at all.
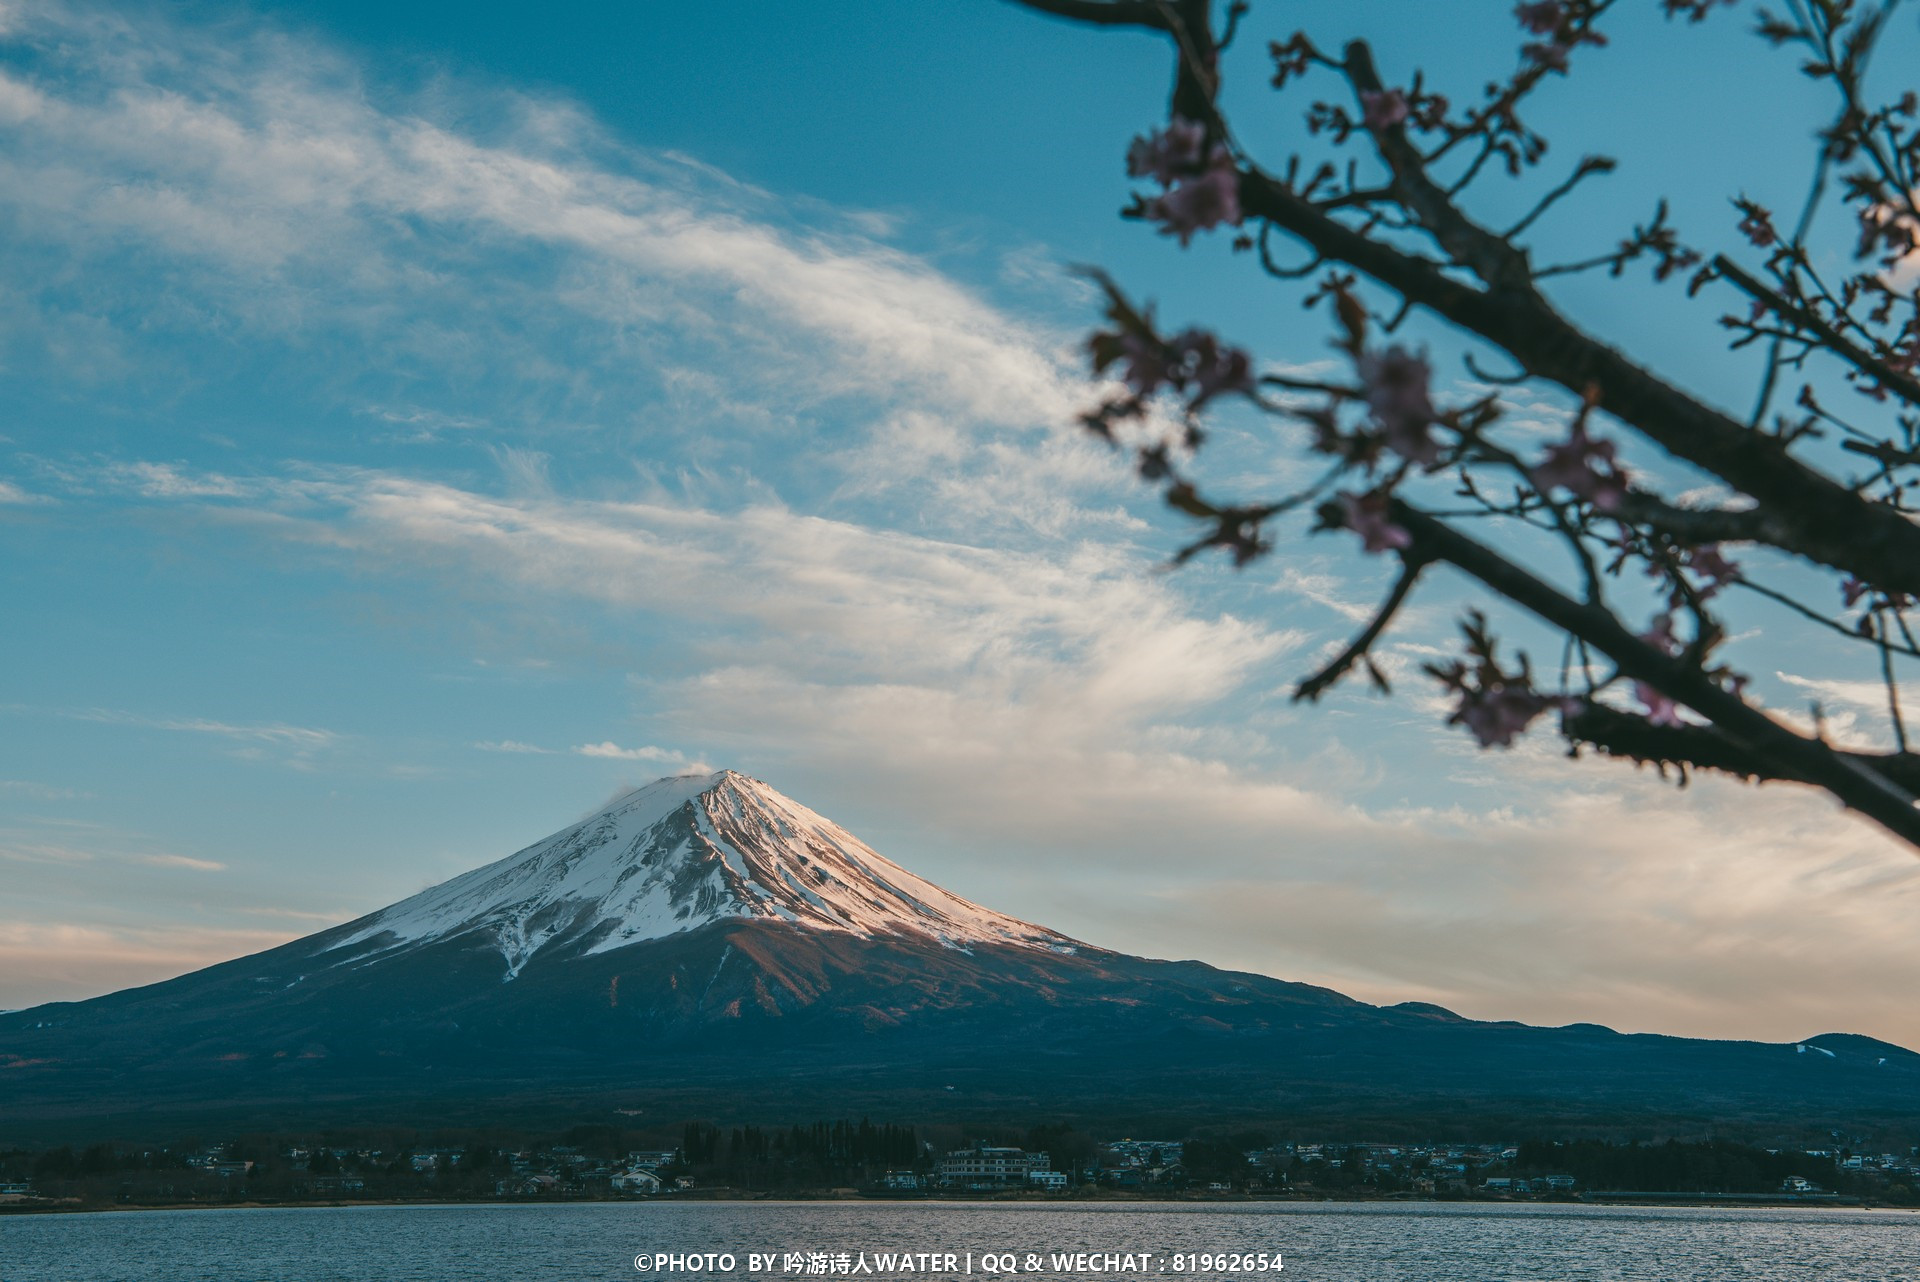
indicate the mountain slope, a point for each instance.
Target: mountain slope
{"x":705,"y":944}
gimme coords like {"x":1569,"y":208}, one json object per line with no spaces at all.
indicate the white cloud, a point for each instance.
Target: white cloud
{"x":13,"y":495}
{"x":171,"y":481}
{"x":1861,"y":696}
{"x":1851,"y":713}
{"x":511,"y":745}
{"x":183,"y":861}
{"x":611,"y":749}
{"x":831,"y":598}
{"x":1724,"y":911}
{"x":300,"y":738}
{"x":282,"y":191}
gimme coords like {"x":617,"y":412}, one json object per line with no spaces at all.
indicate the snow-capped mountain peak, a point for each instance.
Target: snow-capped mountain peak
{"x":678,"y":854}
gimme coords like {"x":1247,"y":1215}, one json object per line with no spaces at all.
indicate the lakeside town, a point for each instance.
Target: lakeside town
{"x":845,"y":1159}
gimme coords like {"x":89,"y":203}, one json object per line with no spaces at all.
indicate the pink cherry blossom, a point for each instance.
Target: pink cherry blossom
{"x":1757,"y":226}
{"x":1548,"y":53}
{"x":1147,"y":362}
{"x":1542,"y":19}
{"x":1713,"y":567}
{"x":1571,"y":465}
{"x":1212,"y":368}
{"x":1383,"y":109}
{"x":1194,"y":363}
{"x":1366,"y":515}
{"x":1661,"y":710}
{"x":1395,"y":384}
{"x":1169,"y":154}
{"x":1660,"y":634}
{"x":1200,"y":203}
{"x":1498,"y":715}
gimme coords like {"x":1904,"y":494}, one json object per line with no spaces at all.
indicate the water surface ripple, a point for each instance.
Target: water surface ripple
{"x":1320,"y":1242}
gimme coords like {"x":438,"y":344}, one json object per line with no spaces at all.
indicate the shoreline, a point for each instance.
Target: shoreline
{"x":1646,"y":1199}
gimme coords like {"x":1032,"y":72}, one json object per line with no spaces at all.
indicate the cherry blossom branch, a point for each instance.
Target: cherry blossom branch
{"x":1690,"y":747}
{"x":1587,"y":167}
{"x":1814,"y":516}
{"x":1886,"y":455}
{"x":1384,"y":428}
{"x":1779,"y":749}
{"x":1491,"y":257}
{"x":1901,"y":384}
{"x":1907,"y":650}
{"x":1699,"y":525}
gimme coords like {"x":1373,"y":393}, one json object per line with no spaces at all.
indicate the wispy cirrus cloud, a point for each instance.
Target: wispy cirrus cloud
{"x":302,"y":738}
{"x":40,"y":791}
{"x":107,"y":847}
{"x":300,"y":747}
{"x":825,"y":599}
{"x":187,"y":862}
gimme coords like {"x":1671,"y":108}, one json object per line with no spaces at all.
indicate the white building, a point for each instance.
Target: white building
{"x":637,"y":1180}
{"x":982,"y":1167}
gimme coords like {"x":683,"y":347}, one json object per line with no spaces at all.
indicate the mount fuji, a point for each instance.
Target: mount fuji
{"x":707,"y":946}
{"x":676,"y":856}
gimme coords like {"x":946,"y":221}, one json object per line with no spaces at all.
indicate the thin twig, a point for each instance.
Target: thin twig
{"x":1317,"y":684}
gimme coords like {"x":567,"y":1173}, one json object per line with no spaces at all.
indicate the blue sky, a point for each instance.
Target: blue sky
{"x":420,"y":421}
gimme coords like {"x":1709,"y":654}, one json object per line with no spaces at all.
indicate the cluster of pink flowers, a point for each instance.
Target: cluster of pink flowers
{"x":1712,"y":569}
{"x":1585,"y":468}
{"x":1542,"y":18}
{"x":1202,"y":187}
{"x":1395,"y":384}
{"x":1756,"y":224}
{"x":1384,"y":109}
{"x":1661,"y":710}
{"x":1168,"y":155}
{"x":1194,"y":363}
{"x":1852,"y":589}
{"x":1366,"y":515}
{"x":1497,"y":714}
{"x":1552,"y":19}
{"x":1495,"y":705}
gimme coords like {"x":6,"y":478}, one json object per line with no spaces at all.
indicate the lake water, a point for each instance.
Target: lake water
{"x":1350,"y":1242}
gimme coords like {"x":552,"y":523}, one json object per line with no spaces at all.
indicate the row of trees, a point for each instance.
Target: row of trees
{"x":823,"y":1153}
{"x":1711,"y":1166}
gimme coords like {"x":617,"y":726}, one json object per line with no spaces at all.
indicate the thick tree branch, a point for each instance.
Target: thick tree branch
{"x":1622,"y":734}
{"x":1780,"y":751}
{"x":1701,"y":525}
{"x":1491,"y":257}
{"x":1104,"y":13}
